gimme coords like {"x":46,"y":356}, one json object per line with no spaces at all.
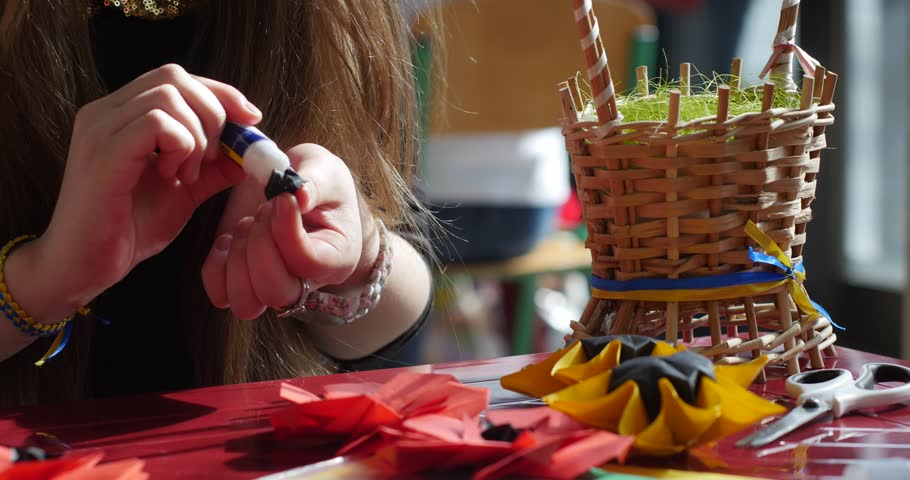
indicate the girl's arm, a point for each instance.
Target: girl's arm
{"x":403,"y":303}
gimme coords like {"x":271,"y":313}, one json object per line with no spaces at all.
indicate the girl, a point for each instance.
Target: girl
{"x":110,"y":114}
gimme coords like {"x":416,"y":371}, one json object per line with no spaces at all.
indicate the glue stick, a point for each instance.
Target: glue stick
{"x":260,"y":158}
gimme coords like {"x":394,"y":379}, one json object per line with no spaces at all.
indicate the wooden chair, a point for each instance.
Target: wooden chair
{"x":557,"y":254}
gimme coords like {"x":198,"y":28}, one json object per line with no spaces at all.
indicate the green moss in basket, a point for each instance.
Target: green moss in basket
{"x":702,"y":101}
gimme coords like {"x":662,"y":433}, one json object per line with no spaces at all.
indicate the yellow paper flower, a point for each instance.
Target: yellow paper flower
{"x":583,"y":359}
{"x":669,"y":399}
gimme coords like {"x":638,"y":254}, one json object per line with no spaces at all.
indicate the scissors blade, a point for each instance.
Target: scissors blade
{"x":810,"y":410}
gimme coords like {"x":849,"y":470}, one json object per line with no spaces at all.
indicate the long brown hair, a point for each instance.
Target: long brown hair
{"x":333,"y":72}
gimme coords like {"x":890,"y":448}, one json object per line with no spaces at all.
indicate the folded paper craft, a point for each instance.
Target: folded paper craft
{"x":668,"y":398}
{"x":540,"y":442}
{"x":74,"y":467}
{"x":350,"y":411}
{"x":583,"y":359}
{"x":427,"y":422}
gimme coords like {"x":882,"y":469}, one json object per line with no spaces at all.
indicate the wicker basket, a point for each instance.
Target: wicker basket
{"x":670,"y":201}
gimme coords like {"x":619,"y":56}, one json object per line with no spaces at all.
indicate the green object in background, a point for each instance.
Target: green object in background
{"x":524,"y":324}
{"x":644,"y":51}
{"x":599,"y":474}
{"x":422,"y":56}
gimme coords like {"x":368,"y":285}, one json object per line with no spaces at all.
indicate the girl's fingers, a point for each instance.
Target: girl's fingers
{"x":289,"y":235}
{"x":325,"y":177}
{"x":213,"y":102}
{"x":273,"y":284}
{"x":214,"y":178}
{"x":129,"y":152}
{"x":236,"y":105}
{"x":328,"y":179}
{"x":239,"y":286}
{"x":329,"y":206}
{"x":233,"y":106}
{"x":214,"y":272}
{"x":313,"y":235}
{"x":168,"y":99}
{"x":323,"y":258}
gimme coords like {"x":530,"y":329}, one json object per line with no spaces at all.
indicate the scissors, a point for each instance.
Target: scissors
{"x":820,"y":391}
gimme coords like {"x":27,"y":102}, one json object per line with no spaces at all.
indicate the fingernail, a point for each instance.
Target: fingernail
{"x":289,"y":204}
{"x":223,"y":243}
{"x":252,"y":108}
{"x":212,"y":151}
{"x":264,"y":211}
{"x":280,"y":206}
{"x":305,"y":195}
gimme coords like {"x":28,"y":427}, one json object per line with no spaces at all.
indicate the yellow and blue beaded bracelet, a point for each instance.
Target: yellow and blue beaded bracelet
{"x":23,"y":321}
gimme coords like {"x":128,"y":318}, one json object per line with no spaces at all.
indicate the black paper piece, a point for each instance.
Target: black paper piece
{"x":684,"y":370}
{"x":633,"y":346}
{"x":283,"y":182}
{"x":502,"y":433}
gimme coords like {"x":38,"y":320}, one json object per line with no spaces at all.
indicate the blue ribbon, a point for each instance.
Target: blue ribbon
{"x":67,"y":331}
{"x":713,"y":281}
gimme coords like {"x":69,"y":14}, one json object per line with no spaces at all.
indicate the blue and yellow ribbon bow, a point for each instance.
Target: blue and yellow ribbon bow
{"x":720,"y":287}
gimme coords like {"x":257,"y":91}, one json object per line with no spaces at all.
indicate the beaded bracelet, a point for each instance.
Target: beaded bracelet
{"x":22,"y":320}
{"x":344,"y":310}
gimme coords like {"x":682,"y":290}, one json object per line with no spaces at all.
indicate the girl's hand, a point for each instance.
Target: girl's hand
{"x":140,"y":161}
{"x":264,"y":249}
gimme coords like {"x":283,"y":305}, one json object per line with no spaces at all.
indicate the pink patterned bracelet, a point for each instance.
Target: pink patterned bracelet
{"x":344,"y":310}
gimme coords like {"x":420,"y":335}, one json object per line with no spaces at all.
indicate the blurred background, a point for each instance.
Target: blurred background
{"x":494,"y":168}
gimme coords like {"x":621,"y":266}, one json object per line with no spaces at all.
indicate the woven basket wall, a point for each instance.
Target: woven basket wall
{"x":670,"y":201}
{"x":673,"y":209}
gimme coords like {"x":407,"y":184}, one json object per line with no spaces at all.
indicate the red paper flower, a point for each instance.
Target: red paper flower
{"x":350,"y":411}
{"x":427,"y":422}
{"x":549,"y":444}
{"x":82,"y":467}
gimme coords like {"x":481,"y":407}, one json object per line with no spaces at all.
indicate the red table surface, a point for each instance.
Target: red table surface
{"x":224,"y":432}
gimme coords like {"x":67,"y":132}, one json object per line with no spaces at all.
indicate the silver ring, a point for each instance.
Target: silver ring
{"x":300,"y":305}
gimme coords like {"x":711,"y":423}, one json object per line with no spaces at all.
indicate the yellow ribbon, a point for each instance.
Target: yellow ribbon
{"x":53,"y":349}
{"x":795,"y":280}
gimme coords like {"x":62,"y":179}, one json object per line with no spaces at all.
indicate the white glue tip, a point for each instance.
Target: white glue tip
{"x":263,"y":157}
